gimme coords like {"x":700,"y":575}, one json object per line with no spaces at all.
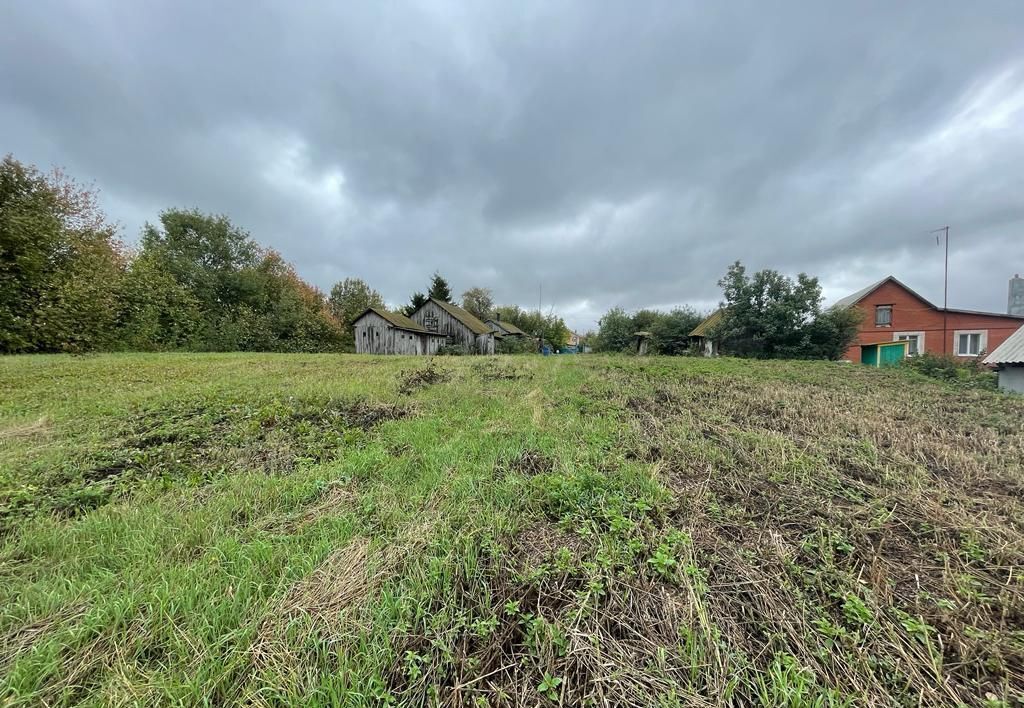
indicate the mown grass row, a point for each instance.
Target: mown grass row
{"x":341,"y":530}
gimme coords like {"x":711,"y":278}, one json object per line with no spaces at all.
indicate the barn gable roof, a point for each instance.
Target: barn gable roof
{"x":507,"y":326}
{"x":1010,"y":351}
{"x":398,"y":320}
{"x":463,"y":316}
{"x":705,"y":327}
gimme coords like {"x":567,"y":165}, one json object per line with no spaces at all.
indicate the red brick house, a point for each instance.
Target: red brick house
{"x":893,"y":312}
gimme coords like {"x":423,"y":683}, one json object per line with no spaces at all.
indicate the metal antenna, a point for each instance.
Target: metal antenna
{"x":945,"y":288}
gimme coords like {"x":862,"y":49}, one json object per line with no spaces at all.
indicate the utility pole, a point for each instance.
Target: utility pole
{"x":945,"y":291}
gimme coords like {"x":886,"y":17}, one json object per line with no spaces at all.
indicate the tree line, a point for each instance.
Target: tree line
{"x":766,"y":315}
{"x":195,"y":282}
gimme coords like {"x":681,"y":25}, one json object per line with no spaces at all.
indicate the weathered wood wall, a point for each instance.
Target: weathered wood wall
{"x":375,"y":335}
{"x":436,"y":318}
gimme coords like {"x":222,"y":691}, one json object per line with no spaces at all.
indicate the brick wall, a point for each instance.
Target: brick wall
{"x":911,"y":314}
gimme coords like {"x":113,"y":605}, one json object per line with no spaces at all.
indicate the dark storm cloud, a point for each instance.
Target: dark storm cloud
{"x":618,"y":153}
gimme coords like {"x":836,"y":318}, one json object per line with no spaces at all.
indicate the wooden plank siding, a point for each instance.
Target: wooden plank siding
{"x":437,"y":319}
{"x":375,"y":335}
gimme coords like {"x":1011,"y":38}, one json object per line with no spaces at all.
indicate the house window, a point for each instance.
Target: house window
{"x":970,"y":342}
{"x":915,"y":341}
{"x":883,"y":315}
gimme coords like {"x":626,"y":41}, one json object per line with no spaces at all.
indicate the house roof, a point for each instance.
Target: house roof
{"x":507,"y":326}
{"x":398,"y":320}
{"x":705,"y":327}
{"x":463,"y":316}
{"x":1009,"y":352}
{"x":851,"y":300}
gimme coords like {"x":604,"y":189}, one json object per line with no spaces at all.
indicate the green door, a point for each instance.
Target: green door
{"x":869,"y":354}
{"x":892,"y":353}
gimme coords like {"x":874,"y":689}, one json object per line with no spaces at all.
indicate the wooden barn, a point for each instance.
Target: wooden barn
{"x":505,"y":329}
{"x":459,"y":327}
{"x":378,"y":331}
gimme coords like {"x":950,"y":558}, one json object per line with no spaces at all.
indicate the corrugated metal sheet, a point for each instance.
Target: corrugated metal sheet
{"x":707,"y":325}
{"x":1009,"y":352}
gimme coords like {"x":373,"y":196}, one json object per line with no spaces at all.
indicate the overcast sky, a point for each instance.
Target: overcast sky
{"x":619,"y":153}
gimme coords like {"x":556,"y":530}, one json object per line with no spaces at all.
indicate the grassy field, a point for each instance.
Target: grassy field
{"x":342,"y":530}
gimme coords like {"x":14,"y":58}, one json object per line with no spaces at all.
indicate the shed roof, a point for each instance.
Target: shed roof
{"x":1009,"y":352}
{"x":507,"y":326}
{"x":463,"y":316}
{"x":705,"y":327}
{"x":398,"y":320}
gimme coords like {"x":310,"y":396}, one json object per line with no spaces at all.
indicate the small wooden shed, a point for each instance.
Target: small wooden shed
{"x":641,"y":342}
{"x":378,"y":331}
{"x":458,"y":327}
{"x":701,"y":339}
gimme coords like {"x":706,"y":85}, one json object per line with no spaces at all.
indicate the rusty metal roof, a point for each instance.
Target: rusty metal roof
{"x":1009,"y":352}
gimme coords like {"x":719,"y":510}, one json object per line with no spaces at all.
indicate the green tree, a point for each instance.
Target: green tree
{"x":156,"y":312}
{"x":60,"y":263}
{"x":769,"y":315}
{"x":416,"y":302}
{"x":349,"y":299}
{"x":615,"y":331}
{"x":672,"y":330}
{"x":479,"y":302}
{"x":439,"y":288}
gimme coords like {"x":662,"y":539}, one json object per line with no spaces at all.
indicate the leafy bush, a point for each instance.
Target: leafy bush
{"x":515,"y":345}
{"x":969,"y":373}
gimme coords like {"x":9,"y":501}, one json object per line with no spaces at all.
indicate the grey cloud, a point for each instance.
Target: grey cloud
{"x":620,"y":154}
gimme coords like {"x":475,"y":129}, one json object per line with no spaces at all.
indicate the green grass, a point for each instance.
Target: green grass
{"x":344,"y":530}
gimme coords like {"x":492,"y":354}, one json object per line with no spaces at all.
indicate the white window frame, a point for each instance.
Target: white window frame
{"x":982,"y":341}
{"x":920,"y":341}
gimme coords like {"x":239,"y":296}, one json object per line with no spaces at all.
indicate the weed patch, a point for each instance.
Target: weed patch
{"x":415,"y":379}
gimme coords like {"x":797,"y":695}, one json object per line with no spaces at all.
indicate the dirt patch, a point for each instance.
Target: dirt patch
{"x":413,"y":380}
{"x":40,"y":427}
{"x":357,"y":413}
{"x":528,"y":463}
{"x":539,"y":543}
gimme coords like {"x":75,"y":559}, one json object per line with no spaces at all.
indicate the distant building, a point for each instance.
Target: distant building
{"x":892,"y":312}
{"x":1015,"y":300}
{"x":1008,"y":358}
{"x":700,"y":337}
{"x":506,"y":329}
